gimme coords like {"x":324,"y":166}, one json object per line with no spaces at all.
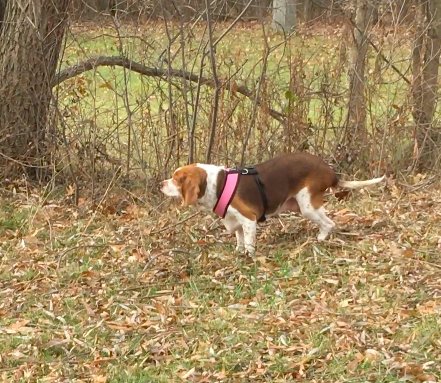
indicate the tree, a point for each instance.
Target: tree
{"x":355,"y":132}
{"x":425,"y":61}
{"x":307,"y":10}
{"x":30,"y":42}
{"x":284,"y":15}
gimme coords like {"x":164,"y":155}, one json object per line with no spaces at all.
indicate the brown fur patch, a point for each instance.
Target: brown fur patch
{"x":244,"y":209}
{"x":291,"y":205}
{"x":193,"y":182}
{"x":283,"y":177}
{"x":317,"y":200}
{"x":316,"y":188}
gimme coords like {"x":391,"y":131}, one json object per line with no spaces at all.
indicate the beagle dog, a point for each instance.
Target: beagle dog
{"x":245,"y":196}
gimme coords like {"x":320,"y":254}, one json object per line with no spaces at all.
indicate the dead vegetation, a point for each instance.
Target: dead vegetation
{"x":132,"y":292}
{"x":103,"y":281}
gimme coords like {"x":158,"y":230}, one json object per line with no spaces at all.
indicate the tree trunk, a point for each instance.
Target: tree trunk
{"x":425,"y":63}
{"x":30,"y":44}
{"x":355,"y":135}
{"x":2,"y":12}
{"x":307,"y":10}
{"x":284,"y":15}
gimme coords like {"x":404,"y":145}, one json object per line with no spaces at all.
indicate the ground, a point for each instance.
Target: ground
{"x":143,"y":290}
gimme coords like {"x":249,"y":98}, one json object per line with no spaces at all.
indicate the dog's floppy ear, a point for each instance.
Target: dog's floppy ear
{"x":190,"y":190}
{"x":193,"y":181}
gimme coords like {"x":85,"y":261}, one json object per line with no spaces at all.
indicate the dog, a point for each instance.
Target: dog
{"x":243,"y":197}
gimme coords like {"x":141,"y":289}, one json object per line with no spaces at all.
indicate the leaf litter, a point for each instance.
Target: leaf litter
{"x":136,"y":293}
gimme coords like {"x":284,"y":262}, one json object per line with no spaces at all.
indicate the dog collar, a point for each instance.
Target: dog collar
{"x":228,"y":191}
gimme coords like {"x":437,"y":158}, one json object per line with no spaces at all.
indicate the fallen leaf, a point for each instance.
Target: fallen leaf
{"x":371,"y":355}
{"x":99,"y":379}
{"x":187,"y":374}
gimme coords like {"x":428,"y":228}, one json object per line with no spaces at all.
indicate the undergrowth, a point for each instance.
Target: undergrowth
{"x":155,"y":293}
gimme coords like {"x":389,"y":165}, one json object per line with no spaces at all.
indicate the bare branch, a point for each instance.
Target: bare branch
{"x":95,"y":62}
{"x":217,"y":84}
{"x":235,"y":21}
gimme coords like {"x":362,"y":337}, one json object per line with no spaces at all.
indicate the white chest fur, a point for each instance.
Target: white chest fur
{"x":209,"y":198}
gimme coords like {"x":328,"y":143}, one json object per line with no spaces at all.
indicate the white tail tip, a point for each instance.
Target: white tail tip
{"x":360,"y":184}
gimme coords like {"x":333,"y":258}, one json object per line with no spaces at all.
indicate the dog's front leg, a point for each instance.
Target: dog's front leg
{"x":240,"y":242}
{"x":245,"y":231}
{"x":249,"y":235}
{"x":233,"y":226}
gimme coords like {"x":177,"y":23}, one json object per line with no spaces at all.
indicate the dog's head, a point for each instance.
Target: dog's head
{"x":188,"y":182}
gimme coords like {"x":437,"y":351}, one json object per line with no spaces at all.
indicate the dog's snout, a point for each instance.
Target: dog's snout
{"x":164,"y":186}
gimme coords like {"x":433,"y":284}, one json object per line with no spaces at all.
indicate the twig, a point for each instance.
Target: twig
{"x":124,"y":62}
{"x":235,"y":21}
{"x":217,"y":85}
{"x":175,"y":224}
{"x":429,"y":263}
{"x":372,"y":44}
{"x":61,"y":256}
{"x":266,"y":54}
{"x":420,"y":185}
{"x":125,"y":98}
{"x":102,"y":199}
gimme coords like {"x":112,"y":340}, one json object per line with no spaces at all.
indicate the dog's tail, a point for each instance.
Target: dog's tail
{"x":359,"y":184}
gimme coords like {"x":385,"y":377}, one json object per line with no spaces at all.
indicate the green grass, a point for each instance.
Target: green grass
{"x":12,"y":220}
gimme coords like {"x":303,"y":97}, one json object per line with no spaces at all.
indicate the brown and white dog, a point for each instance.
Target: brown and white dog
{"x":292,"y":182}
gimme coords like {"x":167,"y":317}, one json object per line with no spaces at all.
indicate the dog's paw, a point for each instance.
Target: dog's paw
{"x":250,"y":250}
{"x":322,"y":236}
{"x":240,"y":249}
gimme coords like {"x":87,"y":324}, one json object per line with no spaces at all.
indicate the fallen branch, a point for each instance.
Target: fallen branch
{"x":63,"y":253}
{"x":95,"y":62}
{"x":175,"y":224}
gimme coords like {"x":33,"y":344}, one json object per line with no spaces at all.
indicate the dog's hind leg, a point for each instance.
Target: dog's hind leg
{"x":316,"y":215}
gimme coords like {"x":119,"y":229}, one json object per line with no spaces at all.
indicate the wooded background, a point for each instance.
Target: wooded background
{"x":385,"y":56}
{"x":305,"y":9}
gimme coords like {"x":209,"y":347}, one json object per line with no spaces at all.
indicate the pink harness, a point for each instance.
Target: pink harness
{"x":228,"y":191}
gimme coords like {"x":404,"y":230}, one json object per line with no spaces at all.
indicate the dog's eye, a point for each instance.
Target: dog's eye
{"x":179,"y":178}
{"x":177,"y":181}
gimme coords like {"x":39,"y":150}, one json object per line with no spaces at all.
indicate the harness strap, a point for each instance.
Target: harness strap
{"x":251,"y":170}
{"x":227,"y":192}
{"x":229,"y":188}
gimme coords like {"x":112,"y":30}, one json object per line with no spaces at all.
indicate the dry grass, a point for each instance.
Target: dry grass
{"x":135,"y":292}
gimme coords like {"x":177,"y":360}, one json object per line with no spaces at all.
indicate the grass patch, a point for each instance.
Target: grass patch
{"x":13,"y":220}
{"x":135,"y":306}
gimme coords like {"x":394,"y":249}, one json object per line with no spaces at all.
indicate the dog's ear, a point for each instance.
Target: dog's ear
{"x":193,"y":183}
{"x":190,"y":190}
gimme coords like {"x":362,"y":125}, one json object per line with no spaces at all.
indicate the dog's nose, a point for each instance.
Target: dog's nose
{"x":162,"y":184}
